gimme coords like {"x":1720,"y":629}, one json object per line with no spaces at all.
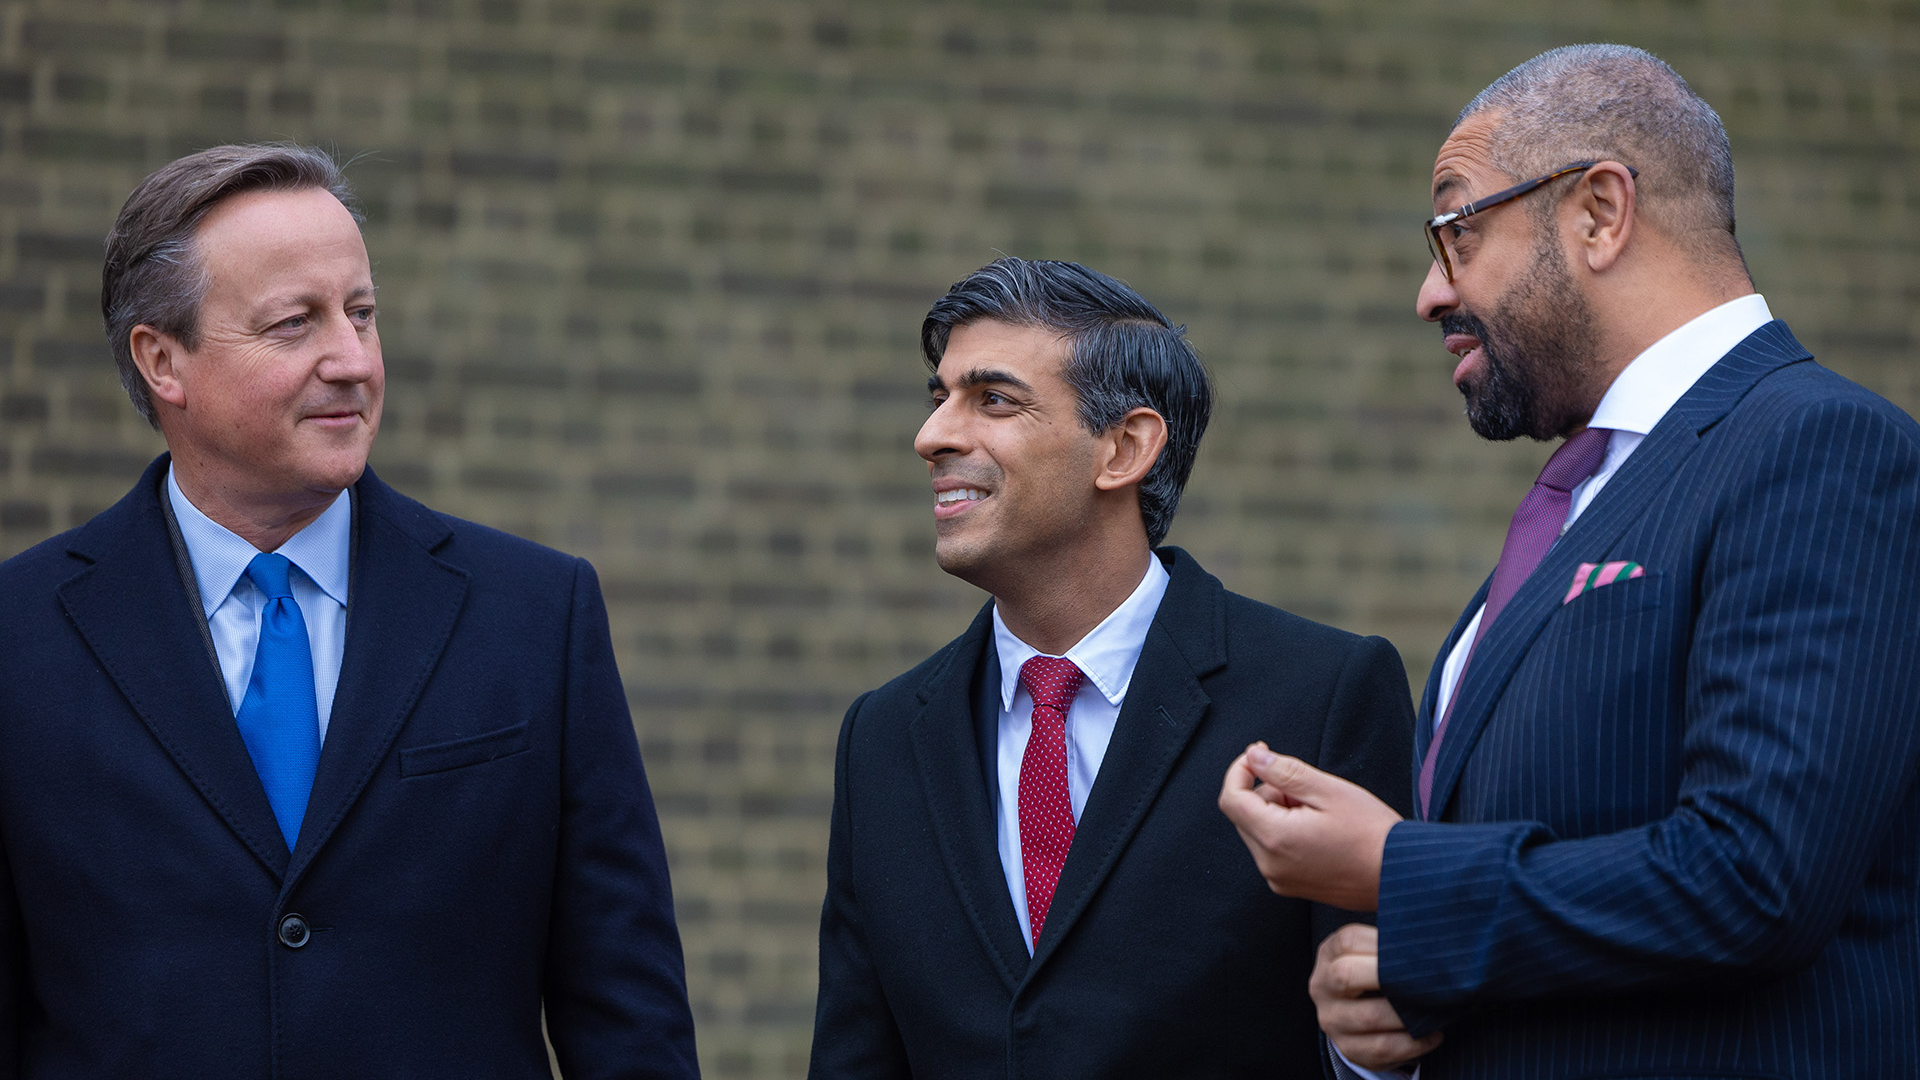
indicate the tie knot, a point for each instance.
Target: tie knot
{"x":1575,"y":460}
{"x":1052,"y":680}
{"x":268,"y":572}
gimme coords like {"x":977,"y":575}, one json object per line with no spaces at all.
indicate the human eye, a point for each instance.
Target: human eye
{"x":363,"y":314}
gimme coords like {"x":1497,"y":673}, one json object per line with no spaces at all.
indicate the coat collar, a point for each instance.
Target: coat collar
{"x":404,"y":601}
{"x":158,"y":659}
{"x":947,"y":758}
{"x":1649,"y":470}
{"x":1163,"y":707}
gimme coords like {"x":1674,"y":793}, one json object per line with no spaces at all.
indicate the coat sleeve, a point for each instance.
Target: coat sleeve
{"x":854,"y":1032}
{"x":1368,"y":739}
{"x":615,"y":984}
{"x":1798,"y":746}
{"x":13,"y":973}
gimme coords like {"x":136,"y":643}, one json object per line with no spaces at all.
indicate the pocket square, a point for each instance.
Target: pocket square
{"x":1591,"y":576}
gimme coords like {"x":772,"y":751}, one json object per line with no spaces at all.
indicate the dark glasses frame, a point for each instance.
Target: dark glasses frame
{"x":1438,"y":246}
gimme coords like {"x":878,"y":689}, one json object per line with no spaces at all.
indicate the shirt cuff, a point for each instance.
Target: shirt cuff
{"x":1347,"y":1070}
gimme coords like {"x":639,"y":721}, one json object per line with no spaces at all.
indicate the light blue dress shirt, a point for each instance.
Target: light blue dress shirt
{"x":232,"y":603}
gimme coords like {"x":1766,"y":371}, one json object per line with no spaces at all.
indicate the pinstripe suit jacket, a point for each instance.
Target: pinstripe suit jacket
{"x":1680,"y":828}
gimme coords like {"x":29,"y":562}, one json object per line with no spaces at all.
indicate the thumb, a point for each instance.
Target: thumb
{"x":1294,"y":780}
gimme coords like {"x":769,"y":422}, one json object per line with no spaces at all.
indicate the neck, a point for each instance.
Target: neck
{"x":1054,"y":613}
{"x":266,"y":524}
{"x":1638,"y":309}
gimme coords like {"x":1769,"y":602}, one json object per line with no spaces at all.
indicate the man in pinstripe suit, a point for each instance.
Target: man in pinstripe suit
{"x":1666,"y":762}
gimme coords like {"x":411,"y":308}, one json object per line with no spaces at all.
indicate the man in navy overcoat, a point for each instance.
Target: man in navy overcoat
{"x":299,"y":778}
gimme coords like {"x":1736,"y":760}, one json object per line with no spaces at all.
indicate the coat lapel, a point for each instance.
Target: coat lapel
{"x":947,"y":756}
{"x":1649,"y":470}
{"x":402,"y":606}
{"x":1163,"y":707}
{"x":133,"y":610}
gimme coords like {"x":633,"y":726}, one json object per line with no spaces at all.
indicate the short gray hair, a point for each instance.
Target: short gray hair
{"x":153,"y":272}
{"x":1619,"y":103}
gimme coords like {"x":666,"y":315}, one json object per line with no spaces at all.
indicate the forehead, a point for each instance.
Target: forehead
{"x":1464,"y":168}
{"x":270,"y":232}
{"x":1030,"y":352}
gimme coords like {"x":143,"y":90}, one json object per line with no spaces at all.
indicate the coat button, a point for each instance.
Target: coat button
{"x":293,"y":931}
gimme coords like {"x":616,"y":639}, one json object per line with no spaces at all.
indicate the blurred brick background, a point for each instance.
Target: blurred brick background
{"x":652,"y":273}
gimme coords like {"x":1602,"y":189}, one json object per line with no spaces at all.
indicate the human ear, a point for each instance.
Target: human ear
{"x":1605,"y":214}
{"x":1133,"y":445}
{"x":155,"y":353}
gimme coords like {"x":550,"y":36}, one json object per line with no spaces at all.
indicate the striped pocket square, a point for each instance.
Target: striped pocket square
{"x":1591,"y":576}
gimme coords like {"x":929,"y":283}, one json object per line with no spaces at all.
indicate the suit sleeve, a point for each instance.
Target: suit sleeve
{"x":1798,"y":745}
{"x":1368,"y":739}
{"x":854,"y":1033}
{"x":616,"y":992}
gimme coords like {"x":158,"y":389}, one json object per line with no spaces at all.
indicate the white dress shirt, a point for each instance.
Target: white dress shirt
{"x":232,"y":603}
{"x":1639,"y":398}
{"x":1106,"y":656}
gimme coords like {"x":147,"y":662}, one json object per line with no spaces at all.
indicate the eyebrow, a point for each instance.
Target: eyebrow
{"x":1451,"y":183}
{"x":980,"y":377}
{"x":311,"y":300}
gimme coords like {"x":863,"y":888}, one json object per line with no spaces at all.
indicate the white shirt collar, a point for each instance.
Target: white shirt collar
{"x":220,"y":556}
{"x":1658,"y":377}
{"x":1109,"y":652}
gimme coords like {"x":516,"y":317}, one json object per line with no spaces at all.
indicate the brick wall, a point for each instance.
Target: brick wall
{"x":652,"y":272}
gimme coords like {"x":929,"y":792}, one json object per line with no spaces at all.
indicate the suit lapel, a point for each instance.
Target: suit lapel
{"x":402,"y":606}
{"x":133,"y":610}
{"x":1430,"y":694}
{"x":1649,"y":470}
{"x":1163,"y":707}
{"x":946,"y":755}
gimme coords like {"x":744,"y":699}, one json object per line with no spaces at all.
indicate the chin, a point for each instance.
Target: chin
{"x":968,"y":562}
{"x":336,"y":475}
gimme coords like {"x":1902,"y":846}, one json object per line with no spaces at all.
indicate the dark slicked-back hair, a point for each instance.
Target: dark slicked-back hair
{"x":154,"y":273}
{"x":1123,"y":355}
{"x":1619,"y":103}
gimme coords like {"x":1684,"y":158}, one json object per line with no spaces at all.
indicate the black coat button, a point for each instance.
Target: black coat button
{"x":293,"y":931}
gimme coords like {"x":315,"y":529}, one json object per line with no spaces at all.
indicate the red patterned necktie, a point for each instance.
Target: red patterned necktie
{"x":1536,"y":525}
{"x":1046,"y":810}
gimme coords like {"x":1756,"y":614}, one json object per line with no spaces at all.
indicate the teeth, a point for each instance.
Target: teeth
{"x":943,"y":498}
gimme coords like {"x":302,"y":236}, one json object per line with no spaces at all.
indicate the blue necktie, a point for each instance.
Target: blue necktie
{"x":279,"y":720}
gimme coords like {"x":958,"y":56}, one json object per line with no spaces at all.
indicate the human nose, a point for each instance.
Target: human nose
{"x":1437,"y":295}
{"x":942,"y":433}
{"x":352,"y":352}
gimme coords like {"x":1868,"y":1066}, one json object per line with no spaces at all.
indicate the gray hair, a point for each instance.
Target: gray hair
{"x":1619,"y":103}
{"x":154,"y":274}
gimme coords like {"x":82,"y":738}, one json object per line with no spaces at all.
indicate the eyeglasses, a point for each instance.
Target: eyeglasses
{"x":1440,"y":244}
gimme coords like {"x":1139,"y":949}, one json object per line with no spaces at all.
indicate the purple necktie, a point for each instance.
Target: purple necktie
{"x":1536,"y":525}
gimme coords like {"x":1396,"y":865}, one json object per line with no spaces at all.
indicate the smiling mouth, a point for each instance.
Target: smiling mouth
{"x":958,"y":495}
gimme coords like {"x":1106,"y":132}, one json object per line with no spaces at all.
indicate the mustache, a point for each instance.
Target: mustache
{"x":1461,"y":322}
